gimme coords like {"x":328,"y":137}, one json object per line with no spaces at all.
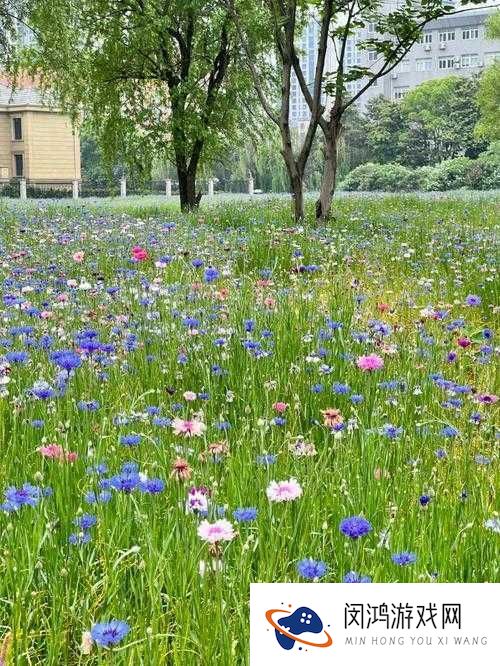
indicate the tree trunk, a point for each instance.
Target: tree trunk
{"x":297,"y":187}
{"x":296,"y":179}
{"x":187,"y":190}
{"x":324,"y":203}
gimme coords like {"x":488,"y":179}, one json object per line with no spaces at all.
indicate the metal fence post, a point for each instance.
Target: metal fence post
{"x":168,"y":187}
{"x":250,"y":185}
{"x":210,"y":187}
{"x":22,"y":189}
{"x":123,"y":186}
{"x":75,"y":189}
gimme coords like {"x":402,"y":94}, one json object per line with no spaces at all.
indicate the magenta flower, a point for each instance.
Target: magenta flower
{"x":370,"y":362}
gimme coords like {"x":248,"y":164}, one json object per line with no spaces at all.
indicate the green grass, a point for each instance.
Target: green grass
{"x":142,"y":563}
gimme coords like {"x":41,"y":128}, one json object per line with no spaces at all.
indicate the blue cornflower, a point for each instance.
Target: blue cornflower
{"x":449,"y":431}
{"x":125,"y":482}
{"x":27,"y":495}
{"x":404,"y":558}
{"x":355,"y":527}
{"x":424,"y":500}
{"x":267,"y":459}
{"x":354,"y":577}
{"x":340,"y":389}
{"x":79,"y":538}
{"x":130,"y":440}
{"x":441,"y":454}
{"x":311,"y":569}
{"x":211,"y":274}
{"x":356,"y":399}
{"x":109,"y":633}
{"x":97,"y":498}
{"x":66,"y":359}
{"x":37,"y":423}
{"x":391,"y":431}
{"x":472,"y":300}
{"x":19,"y":357}
{"x":152,"y":486}
{"x":85,"y":521}
{"x":245,"y":515}
{"x":88,"y":405}
{"x":42,"y":390}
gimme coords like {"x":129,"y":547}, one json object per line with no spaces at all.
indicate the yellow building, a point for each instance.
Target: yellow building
{"x":37,"y":143}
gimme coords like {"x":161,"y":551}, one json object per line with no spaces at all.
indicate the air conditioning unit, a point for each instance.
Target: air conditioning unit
{"x":442,"y":46}
{"x":427,"y":47}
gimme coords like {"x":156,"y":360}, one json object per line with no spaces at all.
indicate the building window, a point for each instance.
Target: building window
{"x":469,"y":60}
{"x":448,"y":62}
{"x":399,"y":93}
{"x":423,"y":65}
{"x":447,"y":36}
{"x":404,"y":66}
{"x":470,"y":33}
{"x":371,"y":27}
{"x":372,"y":55}
{"x":489,"y":58}
{"x":19,"y":165}
{"x":425,"y":38}
{"x":17,"y":129}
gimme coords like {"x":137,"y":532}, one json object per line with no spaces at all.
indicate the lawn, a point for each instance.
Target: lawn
{"x":193,"y":403}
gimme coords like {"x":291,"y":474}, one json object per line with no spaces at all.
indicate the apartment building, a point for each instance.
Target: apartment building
{"x":449,"y":45}
{"x":37,"y":142}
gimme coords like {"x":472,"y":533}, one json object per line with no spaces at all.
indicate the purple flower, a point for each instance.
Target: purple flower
{"x":355,"y":527}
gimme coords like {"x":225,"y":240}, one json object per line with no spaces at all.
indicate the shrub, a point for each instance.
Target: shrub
{"x":482,"y":173}
{"x":372,"y":177}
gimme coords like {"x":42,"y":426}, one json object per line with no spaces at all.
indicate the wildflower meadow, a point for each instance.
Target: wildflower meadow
{"x":191,"y":403}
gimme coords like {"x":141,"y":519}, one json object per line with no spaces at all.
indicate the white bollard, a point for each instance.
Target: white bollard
{"x":123,"y":187}
{"x":210,"y":187}
{"x":76,"y":192}
{"x":168,"y":187}
{"x":22,"y":189}
{"x":250,"y":185}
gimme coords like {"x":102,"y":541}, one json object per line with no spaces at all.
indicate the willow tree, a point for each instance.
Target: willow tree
{"x":155,"y":79}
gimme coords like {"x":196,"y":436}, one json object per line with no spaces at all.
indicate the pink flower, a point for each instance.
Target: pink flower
{"x":283,"y":491}
{"x":464,"y":343}
{"x":221,"y":530}
{"x":139,"y":253}
{"x":56,"y":452}
{"x":370,"y":362}
{"x":487,"y":398}
{"x":189,"y":396}
{"x":51,"y":451}
{"x":79,"y":256}
{"x":280,"y":407}
{"x":331,"y":417}
{"x":188,"y":427}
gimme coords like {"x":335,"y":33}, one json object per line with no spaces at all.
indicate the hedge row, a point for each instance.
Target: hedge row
{"x":482,"y":173}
